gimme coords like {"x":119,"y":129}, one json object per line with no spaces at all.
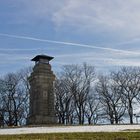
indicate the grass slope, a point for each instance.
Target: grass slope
{"x":75,"y":136}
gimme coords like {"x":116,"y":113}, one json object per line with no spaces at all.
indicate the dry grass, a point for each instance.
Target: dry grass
{"x":75,"y":136}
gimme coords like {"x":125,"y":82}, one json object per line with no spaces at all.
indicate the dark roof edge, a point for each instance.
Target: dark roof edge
{"x":36,"y":58}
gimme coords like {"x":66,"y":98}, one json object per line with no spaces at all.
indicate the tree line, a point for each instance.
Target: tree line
{"x":82,"y":96}
{"x":14,"y":98}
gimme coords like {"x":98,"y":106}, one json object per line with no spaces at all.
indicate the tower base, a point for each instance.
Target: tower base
{"x":41,"y":120}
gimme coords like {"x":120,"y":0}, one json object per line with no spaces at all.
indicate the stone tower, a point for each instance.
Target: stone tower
{"x":41,"y":109}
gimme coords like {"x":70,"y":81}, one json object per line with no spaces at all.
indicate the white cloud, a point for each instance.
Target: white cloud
{"x":97,"y":55}
{"x":33,"y":10}
{"x":109,"y":15}
{"x":117,"y":51}
{"x":100,"y":59}
{"x":93,"y":15}
{"x":118,"y":17}
{"x":123,"y":62}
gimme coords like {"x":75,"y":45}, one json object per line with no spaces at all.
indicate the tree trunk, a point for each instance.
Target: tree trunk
{"x":130,"y":112}
{"x":89,"y":120}
{"x":116,"y":120}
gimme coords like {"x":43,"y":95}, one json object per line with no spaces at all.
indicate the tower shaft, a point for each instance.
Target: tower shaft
{"x":41,"y":109}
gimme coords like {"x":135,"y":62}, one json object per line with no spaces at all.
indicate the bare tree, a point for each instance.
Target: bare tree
{"x":9,"y":97}
{"x":24,"y":74}
{"x":111,"y":99}
{"x":78,"y":79}
{"x":2,"y":110}
{"x":64,"y":105}
{"x":14,"y":98}
{"x":128,"y":79}
{"x":92,"y":108}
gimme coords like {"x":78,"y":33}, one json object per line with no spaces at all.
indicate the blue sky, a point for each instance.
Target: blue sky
{"x":103,"y":33}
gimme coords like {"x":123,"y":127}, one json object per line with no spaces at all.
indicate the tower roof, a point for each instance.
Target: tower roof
{"x":36,"y":58}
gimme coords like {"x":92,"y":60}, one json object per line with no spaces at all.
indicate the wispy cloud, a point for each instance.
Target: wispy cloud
{"x":121,"y":17}
{"x":97,"y":22}
{"x":98,"y":59}
{"x":30,"y":11}
{"x":117,"y":16}
{"x":122,"y":62}
{"x":134,"y":40}
{"x":71,"y":44}
{"x":14,"y":49}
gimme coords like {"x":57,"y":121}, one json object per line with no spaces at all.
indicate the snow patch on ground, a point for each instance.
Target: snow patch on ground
{"x":68,"y":129}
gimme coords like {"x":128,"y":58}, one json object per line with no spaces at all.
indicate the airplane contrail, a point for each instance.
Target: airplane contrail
{"x":69,"y":43}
